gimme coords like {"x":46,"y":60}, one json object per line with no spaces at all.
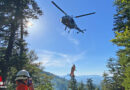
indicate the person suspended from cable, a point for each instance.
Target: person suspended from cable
{"x":72,"y":70}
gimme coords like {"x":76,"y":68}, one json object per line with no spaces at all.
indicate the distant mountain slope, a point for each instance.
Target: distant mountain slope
{"x":61,"y":82}
{"x":96,"y":78}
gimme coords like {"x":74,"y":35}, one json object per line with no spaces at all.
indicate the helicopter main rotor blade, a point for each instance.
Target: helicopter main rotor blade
{"x":58,"y":7}
{"x":84,"y":15}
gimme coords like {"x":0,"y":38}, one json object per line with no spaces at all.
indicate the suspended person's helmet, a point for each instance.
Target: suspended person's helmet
{"x":22,"y":74}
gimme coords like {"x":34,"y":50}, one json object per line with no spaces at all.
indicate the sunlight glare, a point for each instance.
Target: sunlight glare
{"x":29,"y":24}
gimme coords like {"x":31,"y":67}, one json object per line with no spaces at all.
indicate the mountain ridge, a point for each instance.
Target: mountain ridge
{"x":61,"y":82}
{"x":96,"y":78}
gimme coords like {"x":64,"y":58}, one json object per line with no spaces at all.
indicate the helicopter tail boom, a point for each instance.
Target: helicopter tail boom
{"x":79,"y":30}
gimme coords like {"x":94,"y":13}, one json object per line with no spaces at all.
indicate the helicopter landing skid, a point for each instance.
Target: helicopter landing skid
{"x":68,"y":31}
{"x":65,"y":28}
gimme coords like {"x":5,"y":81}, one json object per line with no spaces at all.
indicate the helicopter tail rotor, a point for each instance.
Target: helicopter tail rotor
{"x":58,"y":7}
{"x":65,"y":28}
{"x":84,"y":15}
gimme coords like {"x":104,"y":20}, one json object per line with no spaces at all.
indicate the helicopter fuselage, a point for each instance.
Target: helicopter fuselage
{"x":68,"y":21}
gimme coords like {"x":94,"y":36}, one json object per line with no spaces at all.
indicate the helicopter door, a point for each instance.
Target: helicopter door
{"x":72,"y":23}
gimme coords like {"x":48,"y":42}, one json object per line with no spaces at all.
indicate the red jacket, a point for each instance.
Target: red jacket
{"x":22,"y":86}
{"x":72,"y":71}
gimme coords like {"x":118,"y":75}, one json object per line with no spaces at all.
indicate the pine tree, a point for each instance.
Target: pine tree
{"x":122,"y":39}
{"x":116,"y":72}
{"x":90,"y":85}
{"x":14,"y":13}
{"x":97,"y":88}
{"x":14,"y":54}
{"x":107,"y":83}
{"x":73,"y":83}
{"x":81,"y":86}
{"x":45,"y":83}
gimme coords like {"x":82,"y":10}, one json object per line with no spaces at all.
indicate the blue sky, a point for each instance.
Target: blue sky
{"x":58,"y":50}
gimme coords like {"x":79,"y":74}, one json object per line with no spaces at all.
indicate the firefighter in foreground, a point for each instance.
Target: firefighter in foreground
{"x":23,"y":81}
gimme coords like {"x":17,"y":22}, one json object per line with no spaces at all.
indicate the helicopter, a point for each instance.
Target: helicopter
{"x":68,"y":20}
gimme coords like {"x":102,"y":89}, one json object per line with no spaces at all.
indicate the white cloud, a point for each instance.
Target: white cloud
{"x":76,"y":42}
{"x":55,"y":59}
{"x":70,"y":38}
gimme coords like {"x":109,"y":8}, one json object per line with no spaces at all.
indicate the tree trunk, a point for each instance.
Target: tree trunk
{"x":21,"y":39}
{"x":8,"y":52}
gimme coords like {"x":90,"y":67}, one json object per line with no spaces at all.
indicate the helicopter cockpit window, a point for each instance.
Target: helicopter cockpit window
{"x":72,"y":21}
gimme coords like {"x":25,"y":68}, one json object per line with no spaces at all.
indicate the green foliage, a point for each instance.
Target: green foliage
{"x":110,"y":83}
{"x":73,"y":84}
{"x":124,"y":1}
{"x":106,"y":83}
{"x":121,"y":69}
{"x":123,"y":39}
{"x":116,"y":72}
{"x":14,"y":14}
{"x":45,"y":83}
{"x":90,"y":85}
{"x":122,"y":17}
{"x":97,"y":88}
{"x":126,"y":82}
{"x":14,"y":54}
{"x":81,"y":86}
